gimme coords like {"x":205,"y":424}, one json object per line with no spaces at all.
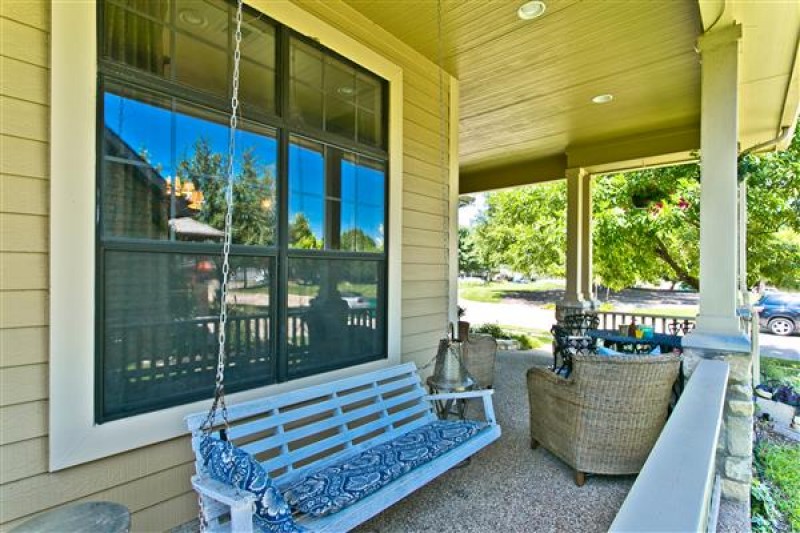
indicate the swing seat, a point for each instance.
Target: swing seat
{"x":344,"y":451}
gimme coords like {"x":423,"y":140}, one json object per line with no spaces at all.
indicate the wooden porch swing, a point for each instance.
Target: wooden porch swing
{"x":328,"y":457}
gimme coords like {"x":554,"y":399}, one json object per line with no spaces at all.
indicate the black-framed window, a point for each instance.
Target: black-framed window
{"x":308,"y":267}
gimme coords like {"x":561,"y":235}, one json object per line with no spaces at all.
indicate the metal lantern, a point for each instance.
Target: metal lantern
{"x":449,"y":373}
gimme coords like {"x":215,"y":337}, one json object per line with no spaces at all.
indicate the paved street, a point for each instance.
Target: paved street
{"x":527,"y":315}
{"x":782,"y":347}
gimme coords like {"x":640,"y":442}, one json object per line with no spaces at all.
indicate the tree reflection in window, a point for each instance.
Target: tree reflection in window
{"x":336,"y":198}
{"x":181,"y":154}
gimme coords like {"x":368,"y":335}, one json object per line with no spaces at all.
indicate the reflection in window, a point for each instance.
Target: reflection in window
{"x":164,"y":84}
{"x":160,"y":319}
{"x":306,"y":194}
{"x":164,"y":165}
{"x":362,"y":199}
{"x":190,"y":43}
{"x":331,"y":94}
{"x":305,"y":67}
{"x":336,"y":199}
{"x":335,"y":315}
{"x":139,"y":37}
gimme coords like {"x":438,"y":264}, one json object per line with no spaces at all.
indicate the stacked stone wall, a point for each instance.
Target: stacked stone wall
{"x":735,"y":445}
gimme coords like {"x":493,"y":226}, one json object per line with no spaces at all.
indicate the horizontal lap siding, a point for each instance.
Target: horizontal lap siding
{"x":154,"y":481}
{"x":24,"y":194}
{"x":149,"y":481}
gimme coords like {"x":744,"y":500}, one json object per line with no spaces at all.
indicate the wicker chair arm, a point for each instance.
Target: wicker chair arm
{"x":545,"y":381}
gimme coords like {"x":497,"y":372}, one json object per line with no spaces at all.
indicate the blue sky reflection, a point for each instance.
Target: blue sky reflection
{"x":165,"y":138}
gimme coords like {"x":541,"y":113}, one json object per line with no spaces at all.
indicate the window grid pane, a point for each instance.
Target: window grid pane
{"x":331,"y":94}
{"x":175,"y":155}
{"x":335,"y":316}
{"x":160,"y":326}
{"x":161,"y":179}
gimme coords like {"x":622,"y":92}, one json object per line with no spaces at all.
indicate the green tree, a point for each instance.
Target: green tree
{"x":357,"y":240}
{"x":524,"y":229}
{"x":469,"y":258}
{"x":647,"y":224}
{"x":300,"y":234}
{"x":253,"y":193}
{"x":773,"y":210}
{"x":661,"y":241}
{"x":654,"y":240}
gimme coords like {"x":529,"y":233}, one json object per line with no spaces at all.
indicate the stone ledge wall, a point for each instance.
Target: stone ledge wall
{"x":735,"y":445}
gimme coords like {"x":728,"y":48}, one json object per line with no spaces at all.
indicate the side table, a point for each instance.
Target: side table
{"x":447,"y":408}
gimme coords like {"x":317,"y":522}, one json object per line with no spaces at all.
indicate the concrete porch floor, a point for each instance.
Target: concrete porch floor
{"x":508,"y":486}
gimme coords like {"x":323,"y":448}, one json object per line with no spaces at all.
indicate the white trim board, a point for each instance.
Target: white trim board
{"x":74,"y":437}
{"x":453,"y":185}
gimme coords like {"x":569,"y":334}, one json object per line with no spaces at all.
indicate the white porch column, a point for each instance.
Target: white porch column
{"x":719,"y":257}
{"x":573,"y":296}
{"x":718,"y":334}
{"x":586,"y":286}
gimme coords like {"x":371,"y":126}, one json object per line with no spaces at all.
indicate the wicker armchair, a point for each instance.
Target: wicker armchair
{"x":479,"y":352}
{"x":606,"y":417}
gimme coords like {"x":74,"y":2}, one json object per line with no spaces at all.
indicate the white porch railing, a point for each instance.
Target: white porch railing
{"x":675,"y":489}
{"x":749,"y":322}
{"x":669,"y":324}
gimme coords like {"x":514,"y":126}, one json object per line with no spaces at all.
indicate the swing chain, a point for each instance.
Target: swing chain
{"x":219,"y":379}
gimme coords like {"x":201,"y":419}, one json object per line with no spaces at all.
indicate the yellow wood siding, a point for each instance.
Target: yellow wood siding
{"x":154,"y":481}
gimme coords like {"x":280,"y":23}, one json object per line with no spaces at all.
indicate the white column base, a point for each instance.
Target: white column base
{"x":718,"y":324}
{"x":736,"y":342}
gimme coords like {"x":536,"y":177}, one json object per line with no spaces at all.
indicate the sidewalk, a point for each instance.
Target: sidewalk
{"x":516,"y":314}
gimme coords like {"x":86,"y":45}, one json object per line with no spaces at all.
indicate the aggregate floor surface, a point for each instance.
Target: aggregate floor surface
{"x":508,"y":486}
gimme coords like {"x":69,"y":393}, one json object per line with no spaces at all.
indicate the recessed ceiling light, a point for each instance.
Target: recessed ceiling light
{"x":192,"y":18}
{"x":345,"y":90}
{"x":602,"y":98}
{"x":531,"y":10}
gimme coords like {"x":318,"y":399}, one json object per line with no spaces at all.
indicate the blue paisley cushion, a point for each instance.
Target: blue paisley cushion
{"x":337,"y":486}
{"x":228,"y":464}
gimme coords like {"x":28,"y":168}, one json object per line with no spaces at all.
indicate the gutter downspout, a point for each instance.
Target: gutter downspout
{"x":785,"y":131}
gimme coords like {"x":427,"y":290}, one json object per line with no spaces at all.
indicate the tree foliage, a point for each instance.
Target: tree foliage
{"x":357,"y":240}
{"x":300,"y":234}
{"x":646,"y":225}
{"x":647,"y":244}
{"x":522,"y":229}
{"x":253,"y":193}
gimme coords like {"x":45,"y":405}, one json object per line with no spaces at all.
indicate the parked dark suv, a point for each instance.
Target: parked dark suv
{"x":779,"y":312}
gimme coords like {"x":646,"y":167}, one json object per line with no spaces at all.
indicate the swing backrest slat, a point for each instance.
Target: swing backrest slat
{"x":310,"y":427}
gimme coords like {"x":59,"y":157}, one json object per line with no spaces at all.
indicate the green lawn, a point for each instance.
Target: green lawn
{"x":495,"y":291}
{"x":776,"y":490}
{"x":787,"y":372}
{"x":779,"y":465}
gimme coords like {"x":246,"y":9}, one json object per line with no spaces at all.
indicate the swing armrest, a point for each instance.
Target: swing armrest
{"x":484,"y":394}
{"x":459,"y":395}
{"x":240,"y":502}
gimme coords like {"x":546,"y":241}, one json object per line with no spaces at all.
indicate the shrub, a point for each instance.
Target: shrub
{"x":780,"y":370}
{"x":525,"y":342}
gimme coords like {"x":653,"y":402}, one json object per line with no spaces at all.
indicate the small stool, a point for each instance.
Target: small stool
{"x":88,"y":517}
